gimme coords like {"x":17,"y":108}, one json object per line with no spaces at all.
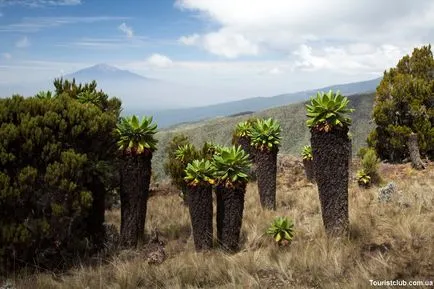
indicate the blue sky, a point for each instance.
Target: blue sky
{"x":245,"y":48}
{"x":88,"y":31}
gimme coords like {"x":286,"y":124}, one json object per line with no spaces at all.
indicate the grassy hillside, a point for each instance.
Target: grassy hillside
{"x":392,"y":241}
{"x":168,"y":118}
{"x":294,"y":131}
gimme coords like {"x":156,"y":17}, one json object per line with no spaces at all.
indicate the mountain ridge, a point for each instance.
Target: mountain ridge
{"x":107,"y":72}
{"x":292,"y":118}
{"x":173,"y":117}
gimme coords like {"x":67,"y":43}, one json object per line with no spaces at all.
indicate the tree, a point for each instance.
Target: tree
{"x":199,"y":179}
{"x":329,"y":123}
{"x":136,"y":143}
{"x":231,"y":174}
{"x":265,"y":139}
{"x":404,"y":106}
{"x":56,"y":156}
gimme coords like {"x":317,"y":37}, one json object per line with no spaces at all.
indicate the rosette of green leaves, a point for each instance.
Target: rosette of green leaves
{"x":328,"y":110}
{"x":307,"y":153}
{"x":243,"y":128}
{"x":136,"y":136}
{"x":282,"y":230}
{"x":363,"y":178}
{"x":199,"y":171}
{"x":265,"y":134}
{"x":232,"y":165}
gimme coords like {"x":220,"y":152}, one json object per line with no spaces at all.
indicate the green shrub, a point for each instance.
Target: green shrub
{"x":174,"y":166}
{"x":57,"y":160}
{"x":370,"y":164}
{"x":362,"y":151}
{"x":404,"y":104}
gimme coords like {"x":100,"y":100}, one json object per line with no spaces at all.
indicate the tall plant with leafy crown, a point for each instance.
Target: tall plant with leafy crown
{"x":308,"y":163}
{"x":185,"y":154}
{"x":173,"y":167}
{"x":329,"y":121}
{"x":231,"y":171}
{"x":328,"y":110}
{"x":137,"y":143}
{"x":265,"y":139}
{"x":241,"y":137}
{"x":200,"y":178}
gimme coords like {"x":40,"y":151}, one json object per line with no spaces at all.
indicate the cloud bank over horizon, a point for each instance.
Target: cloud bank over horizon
{"x":232,"y":49}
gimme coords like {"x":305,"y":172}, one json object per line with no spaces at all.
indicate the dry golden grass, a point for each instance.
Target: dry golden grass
{"x":388,"y":241}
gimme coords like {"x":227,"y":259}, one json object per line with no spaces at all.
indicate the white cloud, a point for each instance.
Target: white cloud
{"x":6,"y":56}
{"x":35,"y":24}
{"x":350,"y":59}
{"x":223,"y":43}
{"x":126,"y":29}
{"x":23,"y":42}
{"x":189,"y":40}
{"x":254,"y":27}
{"x":275,"y":71}
{"x":159,"y":61}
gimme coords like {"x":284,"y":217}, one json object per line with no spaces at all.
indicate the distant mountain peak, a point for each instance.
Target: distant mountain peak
{"x":105,"y":72}
{"x":104,"y":67}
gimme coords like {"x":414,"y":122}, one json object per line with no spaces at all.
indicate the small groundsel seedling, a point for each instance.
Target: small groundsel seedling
{"x":307,"y":153}
{"x":328,"y":110}
{"x":265,"y":134}
{"x":363,"y":179}
{"x":282,"y":230}
{"x":199,"y":171}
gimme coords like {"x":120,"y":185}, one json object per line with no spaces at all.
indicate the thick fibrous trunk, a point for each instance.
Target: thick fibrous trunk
{"x":230,"y":207}
{"x":330,"y":156}
{"x":309,"y":170}
{"x":244,"y":142}
{"x":201,"y":212}
{"x":413,"y":148}
{"x":95,"y":219}
{"x":134,"y":189}
{"x":147,"y":172}
{"x":266,"y":172}
{"x":350,"y":159}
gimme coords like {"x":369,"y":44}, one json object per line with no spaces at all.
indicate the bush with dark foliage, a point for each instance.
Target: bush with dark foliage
{"x":404,"y":107}
{"x":56,"y":164}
